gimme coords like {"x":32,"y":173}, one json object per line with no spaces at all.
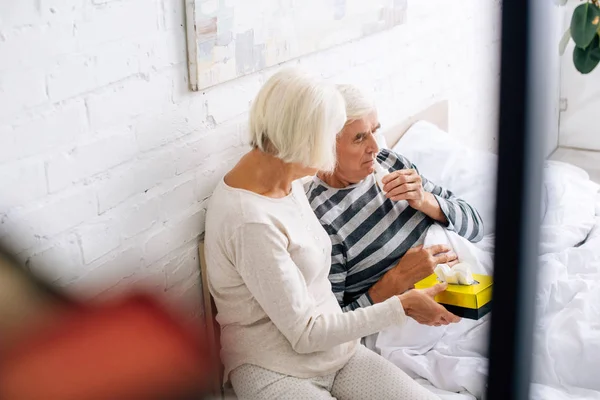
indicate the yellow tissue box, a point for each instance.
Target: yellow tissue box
{"x":473,"y":301}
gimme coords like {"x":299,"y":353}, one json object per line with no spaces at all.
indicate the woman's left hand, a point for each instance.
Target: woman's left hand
{"x":404,"y":184}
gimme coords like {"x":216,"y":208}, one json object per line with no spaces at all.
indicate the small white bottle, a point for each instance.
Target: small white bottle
{"x":380,"y":172}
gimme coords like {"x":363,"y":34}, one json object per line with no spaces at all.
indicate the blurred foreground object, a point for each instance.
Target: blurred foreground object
{"x":52,"y":347}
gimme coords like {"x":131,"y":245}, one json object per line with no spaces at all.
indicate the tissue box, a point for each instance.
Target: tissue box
{"x":473,"y":301}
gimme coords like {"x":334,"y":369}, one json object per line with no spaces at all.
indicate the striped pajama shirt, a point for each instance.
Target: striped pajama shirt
{"x":370,"y":233}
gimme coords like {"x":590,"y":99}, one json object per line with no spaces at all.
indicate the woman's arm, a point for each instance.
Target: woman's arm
{"x":261,"y":257}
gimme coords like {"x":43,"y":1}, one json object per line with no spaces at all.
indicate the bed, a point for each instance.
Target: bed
{"x":452,"y":362}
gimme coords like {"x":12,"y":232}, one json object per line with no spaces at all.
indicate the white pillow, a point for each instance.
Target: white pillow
{"x":381,"y":141}
{"x":568,"y":198}
{"x":443,"y":159}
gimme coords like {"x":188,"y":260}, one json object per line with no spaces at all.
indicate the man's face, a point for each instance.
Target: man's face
{"x":356,"y":149}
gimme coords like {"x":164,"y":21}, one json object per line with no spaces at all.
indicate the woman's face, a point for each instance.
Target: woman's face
{"x":356,"y":149}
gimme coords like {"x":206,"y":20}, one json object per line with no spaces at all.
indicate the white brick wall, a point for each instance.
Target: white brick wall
{"x":26,"y":227}
{"x":87,"y":159}
{"x":21,"y":89}
{"x":137,"y":176}
{"x":48,"y":130}
{"x":28,"y":176}
{"x":106,"y":159}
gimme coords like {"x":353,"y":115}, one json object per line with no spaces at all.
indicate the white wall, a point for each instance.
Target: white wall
{"x":581,"y":93}
{"x":106,"y":158}
{"x":554,"y":32}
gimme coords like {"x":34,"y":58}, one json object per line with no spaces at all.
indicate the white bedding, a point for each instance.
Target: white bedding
{"x":451,"y":361}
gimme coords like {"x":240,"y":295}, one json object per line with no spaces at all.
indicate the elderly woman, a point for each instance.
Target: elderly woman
{"x":284,"y":335}
{"x":377,"y":234}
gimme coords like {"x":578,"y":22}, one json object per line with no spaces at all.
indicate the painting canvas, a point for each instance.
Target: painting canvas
{"x":232,"y":38}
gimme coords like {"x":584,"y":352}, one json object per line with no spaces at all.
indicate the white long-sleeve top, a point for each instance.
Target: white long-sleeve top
{"x":268,"y":261}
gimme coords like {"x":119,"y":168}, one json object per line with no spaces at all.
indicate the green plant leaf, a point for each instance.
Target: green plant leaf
{"x":584,"y":24}
{"x":585,"y":60}
{"x":564,"y":41}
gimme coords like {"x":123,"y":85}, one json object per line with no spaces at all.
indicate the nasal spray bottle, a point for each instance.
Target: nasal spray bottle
{"x":380,"y":172}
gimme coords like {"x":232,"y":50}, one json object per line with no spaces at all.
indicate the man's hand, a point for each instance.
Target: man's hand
{"x":421,"y":306}
{"x":407,"y":184}
{"x":404,"y":184}
{"x":418,"y":263}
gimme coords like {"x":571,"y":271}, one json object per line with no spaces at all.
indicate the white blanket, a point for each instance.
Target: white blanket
{"x":430,"y":352}
{"x":451,"y":360}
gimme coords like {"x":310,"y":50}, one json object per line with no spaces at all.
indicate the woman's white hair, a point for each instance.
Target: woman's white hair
{"x":296,"y":118}
{"x":359,"y":104}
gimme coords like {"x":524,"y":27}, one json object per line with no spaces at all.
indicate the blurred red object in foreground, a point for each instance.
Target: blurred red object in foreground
{"x":131,"y":349}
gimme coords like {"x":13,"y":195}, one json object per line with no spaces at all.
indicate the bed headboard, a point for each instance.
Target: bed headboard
{"x":436,"y":113}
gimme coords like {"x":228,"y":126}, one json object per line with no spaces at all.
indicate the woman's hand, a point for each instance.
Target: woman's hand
{"x":420,"y":305}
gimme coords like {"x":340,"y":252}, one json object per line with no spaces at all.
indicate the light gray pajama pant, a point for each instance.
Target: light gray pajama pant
{"x":366,"y":376}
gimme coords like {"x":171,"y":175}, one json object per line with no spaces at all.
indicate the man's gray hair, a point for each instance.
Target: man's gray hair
{"x":359,"y":104}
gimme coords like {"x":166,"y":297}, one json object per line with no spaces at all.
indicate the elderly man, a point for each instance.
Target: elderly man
{"x":377,"y":235}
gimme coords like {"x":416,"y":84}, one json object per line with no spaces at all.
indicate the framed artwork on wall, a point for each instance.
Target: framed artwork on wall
{"x":231,"y":38}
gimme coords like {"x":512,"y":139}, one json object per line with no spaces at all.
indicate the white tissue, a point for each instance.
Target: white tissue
{"x":380,"y":172}
{"x":463,"y":272}
{"x":460,"y":274}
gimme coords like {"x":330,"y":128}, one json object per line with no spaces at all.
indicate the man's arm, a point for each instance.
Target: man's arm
{"x":405,"y":183}
{"x":431,"y":207}
{"x":418,"y":263}
{"x":460,"y":216}
{"x":338,"y":273}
